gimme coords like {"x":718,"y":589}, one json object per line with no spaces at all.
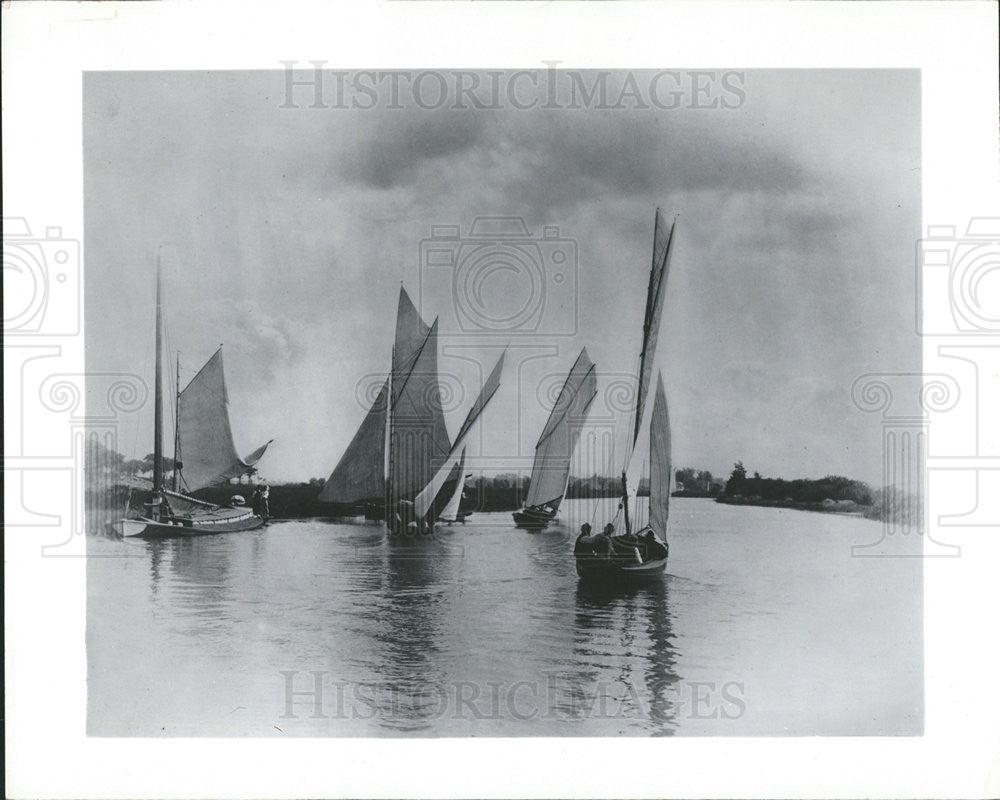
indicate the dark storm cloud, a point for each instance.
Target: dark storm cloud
{"x":550,"y":160}
{"x":792,"y":273}
{"x":396,"y":150}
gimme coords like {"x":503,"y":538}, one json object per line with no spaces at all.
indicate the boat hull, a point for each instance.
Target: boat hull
{"x":533,"y":518}
{"x":620,"y":559}
{"x":593,"y":569}
{"x":460,"y":518}
{"x":151,"y":529}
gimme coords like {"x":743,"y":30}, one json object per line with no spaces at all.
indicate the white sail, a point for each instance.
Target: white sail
{"x":207,"y":451}
{"x":636,"y":465}
{"x":450,"y":512}
{"x":659,"y":462}
{"x":554,"y":451}
{"x":422,"y":502}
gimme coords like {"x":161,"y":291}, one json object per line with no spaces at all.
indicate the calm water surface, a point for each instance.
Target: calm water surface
{"x":763,"y":624}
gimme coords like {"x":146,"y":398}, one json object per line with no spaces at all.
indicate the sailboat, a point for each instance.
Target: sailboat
{"x":401,"y":465}
{"x":626,"y":549}
{"x":204,"y":439}
{"x":554,"y":450}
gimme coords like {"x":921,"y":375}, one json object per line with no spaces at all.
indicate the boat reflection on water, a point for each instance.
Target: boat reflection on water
{"x":489,"y":632}
{"x":624,"y":651}
{"x":621,"y":647}
{"x":196,"y":571}
{"x":405,"y":628}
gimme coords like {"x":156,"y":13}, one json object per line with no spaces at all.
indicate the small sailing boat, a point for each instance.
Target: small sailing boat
{"x":625,"y":549}
{"x":401,"y":465}
{"x":204,"y":439}
{"x":554,"y":450}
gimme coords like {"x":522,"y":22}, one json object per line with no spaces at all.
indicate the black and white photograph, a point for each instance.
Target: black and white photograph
{"x":570,"y":406}
{"x":545,"y":408}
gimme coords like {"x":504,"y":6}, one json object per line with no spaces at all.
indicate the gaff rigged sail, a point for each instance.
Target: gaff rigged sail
{"x":662,"y":241}
{"x":360,"y":473}
{"x":418,"y":434}
{"x":207,"y":450}
{"x":554,"y":450}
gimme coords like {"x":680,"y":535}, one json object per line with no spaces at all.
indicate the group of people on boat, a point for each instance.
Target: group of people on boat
{"x":627,"y":548}
{"x":405,"y":521}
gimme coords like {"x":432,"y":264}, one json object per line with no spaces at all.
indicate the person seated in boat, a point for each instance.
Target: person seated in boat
{"x":654,"y":546}
{"x":602,"y":541}
{"x":597,"y":544}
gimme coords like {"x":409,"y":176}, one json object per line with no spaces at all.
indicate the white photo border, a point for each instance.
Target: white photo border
{"x":47,"y":47}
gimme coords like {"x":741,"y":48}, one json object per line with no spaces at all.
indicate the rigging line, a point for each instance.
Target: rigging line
{"x":597,"y":503}
{"x":568,"y":406}
{"x":638,"y":505}
{"x":171,"y":377}
{"x":135,"y":439}
{"x":593,"y":516}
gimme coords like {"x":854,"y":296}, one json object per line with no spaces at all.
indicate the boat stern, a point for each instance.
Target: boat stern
{"x":130,"y":527}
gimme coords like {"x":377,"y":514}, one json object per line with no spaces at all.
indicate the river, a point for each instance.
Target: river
{"x":764,"y":624}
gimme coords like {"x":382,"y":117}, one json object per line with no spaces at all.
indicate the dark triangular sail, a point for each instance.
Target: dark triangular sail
{"x":205,"y":439}
{"x":555,"y":447}
{"x":662,"y":241}
{"x":419,"y":437}
{"x":360,"y":473}
{"x":411,"y":337}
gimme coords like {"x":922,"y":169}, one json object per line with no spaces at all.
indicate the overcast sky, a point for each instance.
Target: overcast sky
{"x":286,"y":233}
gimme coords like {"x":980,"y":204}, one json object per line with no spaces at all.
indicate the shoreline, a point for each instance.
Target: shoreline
{"x":844,"y":508}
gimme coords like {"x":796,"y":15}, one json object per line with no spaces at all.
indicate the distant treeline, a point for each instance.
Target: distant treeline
{"x":109,"y":476}
{"x":832,"y":487}
{"x":832,"y":493}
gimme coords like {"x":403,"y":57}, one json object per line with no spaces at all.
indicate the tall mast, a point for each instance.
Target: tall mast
{"x":158,"y":403}
{"x":628,"y":522}
{"x":177,"y":424}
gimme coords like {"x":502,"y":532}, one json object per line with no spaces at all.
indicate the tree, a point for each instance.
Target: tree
{"x":735,"y":483}
{"x":686,"y":477}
